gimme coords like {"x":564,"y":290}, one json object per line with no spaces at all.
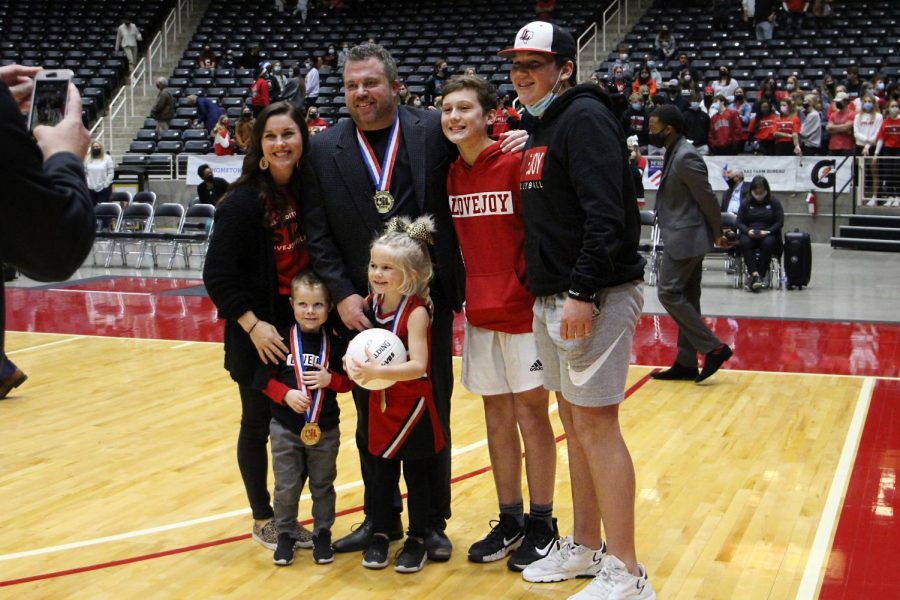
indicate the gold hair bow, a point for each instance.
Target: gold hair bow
{"x":417,"y":230}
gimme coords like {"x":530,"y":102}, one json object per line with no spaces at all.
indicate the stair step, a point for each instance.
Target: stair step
{"x":863,"y":244}
{"x":875,"y":220}
{"x":870,"y":233}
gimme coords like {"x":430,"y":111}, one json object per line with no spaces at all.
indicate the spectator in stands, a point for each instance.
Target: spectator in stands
{"x":827,"y":89}
{"x":840,"y":126}
{"x":636,"y":119}
{"x":879,"y":89}
{"x":256,"y":248}
{"x":164,"y":108}
{"x":342,"y":55}
{"x":622,"y":64}
{"x":302,"y":9}
{"x":748,"y":12}
{"x":594,"y":78}
{"x":46,"y":219}
{"x":314,"y":122}
{"x":821,"y":12}
{"x":707,"y":104}
{"x":252,"y":58}
{"x":544,"y":9}
{"x":795,"y":9}
{"x":696,"y":125}
{"x":295,"y":89}
{"x":888,"y":145}
{"x":760,"y":221}
{"x":470,"y":72}
{"x":725,"y":84}
{"x":764,"y":19}
{"x":619,"y":91}
{"x":685,"y":70}
{"x":654,"y":73}
{"x":745,"y":112}
{"x":99,"y":169}
{"x":228,"y":61}
{"x":792,"y":85}
{"x":787,"y":130}
{"x":243,"y":129}
{"x":403,"y":93}
{"x":737,"y":191}
{"x":415,"y":101}
{"x":207,"y":58}
{"x":763,"y":127}
{"x":329,"y":61}
{"x":259,"y":93}
{"x":852,"y":83}
{"x":434,"y":87}
{"x":208,"y":111}
{"x":506,"y":117}
{"x":664,"y":44}
{"x":638,"y":166}
{"x":223,"y":145}
{"x":211,"y":188}
{"x":724,"y":128}
{"x":127,"y":38}
{"x":811,"y":127}
{"x":644,"y":78}
{"x":866,"y":125}
{"x":312,"y":82}
{"x":649,"y":100}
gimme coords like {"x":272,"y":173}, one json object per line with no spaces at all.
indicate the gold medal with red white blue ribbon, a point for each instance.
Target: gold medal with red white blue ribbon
{"x":311,"y":432}
{"x":381,"y":174}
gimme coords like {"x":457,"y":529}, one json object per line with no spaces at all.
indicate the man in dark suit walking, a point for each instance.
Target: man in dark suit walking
{"x":362,"y":182}
{"x":690,"y":223}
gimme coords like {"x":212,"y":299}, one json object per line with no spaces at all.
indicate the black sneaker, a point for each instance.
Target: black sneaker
{"x":376,"y":556}
{"x":714,"y":360}
{"x":358,"y":539}
{"x":676,"y":372}
{"x":438,"y":545}
{"x":505,"y":536}
{"x":284,"y":551}
{"x":411,"y":557}
{"x":323,"y":553}
{"x":537,"y":543}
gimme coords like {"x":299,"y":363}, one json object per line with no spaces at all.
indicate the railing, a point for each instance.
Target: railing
{"x":139,"y":75}
{"x":154,"y":53}
{"x":618,"y":11}
{"x":159,"y":166}
{"x":835,"y":192}
{"x":878,"y":181}
{"x":116,"y":106}
{"x":98,"y":133}
{"x":168,"y":30}
{"x":591,"y":35}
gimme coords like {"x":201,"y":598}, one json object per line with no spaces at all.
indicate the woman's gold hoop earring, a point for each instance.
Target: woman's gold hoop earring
{"x":263,"y":164}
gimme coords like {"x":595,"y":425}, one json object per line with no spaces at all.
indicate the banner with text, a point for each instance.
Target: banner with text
{"x":226,"y":167}
{"x":784,"y":173}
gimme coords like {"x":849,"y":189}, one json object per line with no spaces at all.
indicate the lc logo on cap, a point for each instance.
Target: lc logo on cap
{"x":543,"y":37}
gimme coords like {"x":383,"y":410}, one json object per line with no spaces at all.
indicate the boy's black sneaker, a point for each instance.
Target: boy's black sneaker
{"x":323,"y":553}
{"x":537,"y":543}
{"x":411,"y":557}
{"x":376,"y":556}
{"x":505,"y":536}
{"x":284,"y":551}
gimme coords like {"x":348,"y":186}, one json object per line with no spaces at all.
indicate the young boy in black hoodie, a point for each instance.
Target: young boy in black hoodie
{"x":305,"y":414}
{"x":582,"y":227}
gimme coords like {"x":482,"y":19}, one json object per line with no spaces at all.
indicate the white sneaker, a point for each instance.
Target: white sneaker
{"x":566,"y":560}
{"x":614,"y":582}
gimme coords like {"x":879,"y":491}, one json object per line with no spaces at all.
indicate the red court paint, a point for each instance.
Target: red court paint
{"x":143,"y":557}
{"x":866,"y":550}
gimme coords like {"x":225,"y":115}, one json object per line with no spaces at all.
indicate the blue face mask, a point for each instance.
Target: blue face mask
{"x":695,"y":105}
{"x":635,"y":106}
{"x":650,"y":64}
{"x":537,"y":109}
{"x":867,"y":106}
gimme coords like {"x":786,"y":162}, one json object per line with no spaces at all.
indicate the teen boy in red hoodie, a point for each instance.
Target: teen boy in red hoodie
{"x":500,"y":360}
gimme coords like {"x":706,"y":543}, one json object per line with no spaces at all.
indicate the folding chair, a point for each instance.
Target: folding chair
{"x":651,"y":247}
{"x":137,"y":218}
{"x":199,"y":216}
{"x":168,"y":221}
{"x":111,"y":211}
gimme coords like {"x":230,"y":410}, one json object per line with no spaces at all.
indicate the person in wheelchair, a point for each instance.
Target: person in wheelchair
{"x":759,"y":222}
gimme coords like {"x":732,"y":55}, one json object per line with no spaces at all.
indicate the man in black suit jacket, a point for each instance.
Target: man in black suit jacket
{"x":341,"y":219}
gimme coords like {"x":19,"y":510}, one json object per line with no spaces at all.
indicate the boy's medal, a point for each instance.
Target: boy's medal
{"x":311,"y":432}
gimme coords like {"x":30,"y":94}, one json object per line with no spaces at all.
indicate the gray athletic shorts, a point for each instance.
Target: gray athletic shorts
{"x":590,"y":371}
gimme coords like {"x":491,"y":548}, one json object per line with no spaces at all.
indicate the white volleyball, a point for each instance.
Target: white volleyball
{"x":385,"y":347}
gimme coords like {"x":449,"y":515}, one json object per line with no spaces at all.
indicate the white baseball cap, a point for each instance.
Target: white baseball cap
{"x":543,"y":37}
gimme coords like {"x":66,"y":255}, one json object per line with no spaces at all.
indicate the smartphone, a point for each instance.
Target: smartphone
{"x":48,"y":98}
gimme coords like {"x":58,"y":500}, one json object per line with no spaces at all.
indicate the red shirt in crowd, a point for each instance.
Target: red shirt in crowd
{"x":259,"y":93}
{"x":890,"y":133}
{"x":502,"y":118}
{"x":763,"y":127}
{"x":841,"y":141}
{"x":724,"y":128}
{"x":789,"y":125}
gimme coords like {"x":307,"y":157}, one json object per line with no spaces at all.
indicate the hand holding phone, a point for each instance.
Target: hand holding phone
{"x":48,"y":97}
{"x":69,"y":135}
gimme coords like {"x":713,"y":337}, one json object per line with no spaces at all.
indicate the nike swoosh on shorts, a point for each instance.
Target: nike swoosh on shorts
{"x":580,"y":378}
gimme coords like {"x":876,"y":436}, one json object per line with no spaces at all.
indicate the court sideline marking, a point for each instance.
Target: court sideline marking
{"x":95,"y":567}
{"x":821,"y":546}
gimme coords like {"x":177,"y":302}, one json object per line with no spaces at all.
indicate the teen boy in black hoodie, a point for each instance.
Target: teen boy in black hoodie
{"x":582,"y":227}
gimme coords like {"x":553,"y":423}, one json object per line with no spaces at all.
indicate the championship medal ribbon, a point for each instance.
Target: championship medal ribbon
{"x":395,"y":323}
{"x":311,"y":432}
{"x":381,"y":175}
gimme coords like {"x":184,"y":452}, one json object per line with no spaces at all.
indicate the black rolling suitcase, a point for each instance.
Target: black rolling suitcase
{"x":797,"y":259}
